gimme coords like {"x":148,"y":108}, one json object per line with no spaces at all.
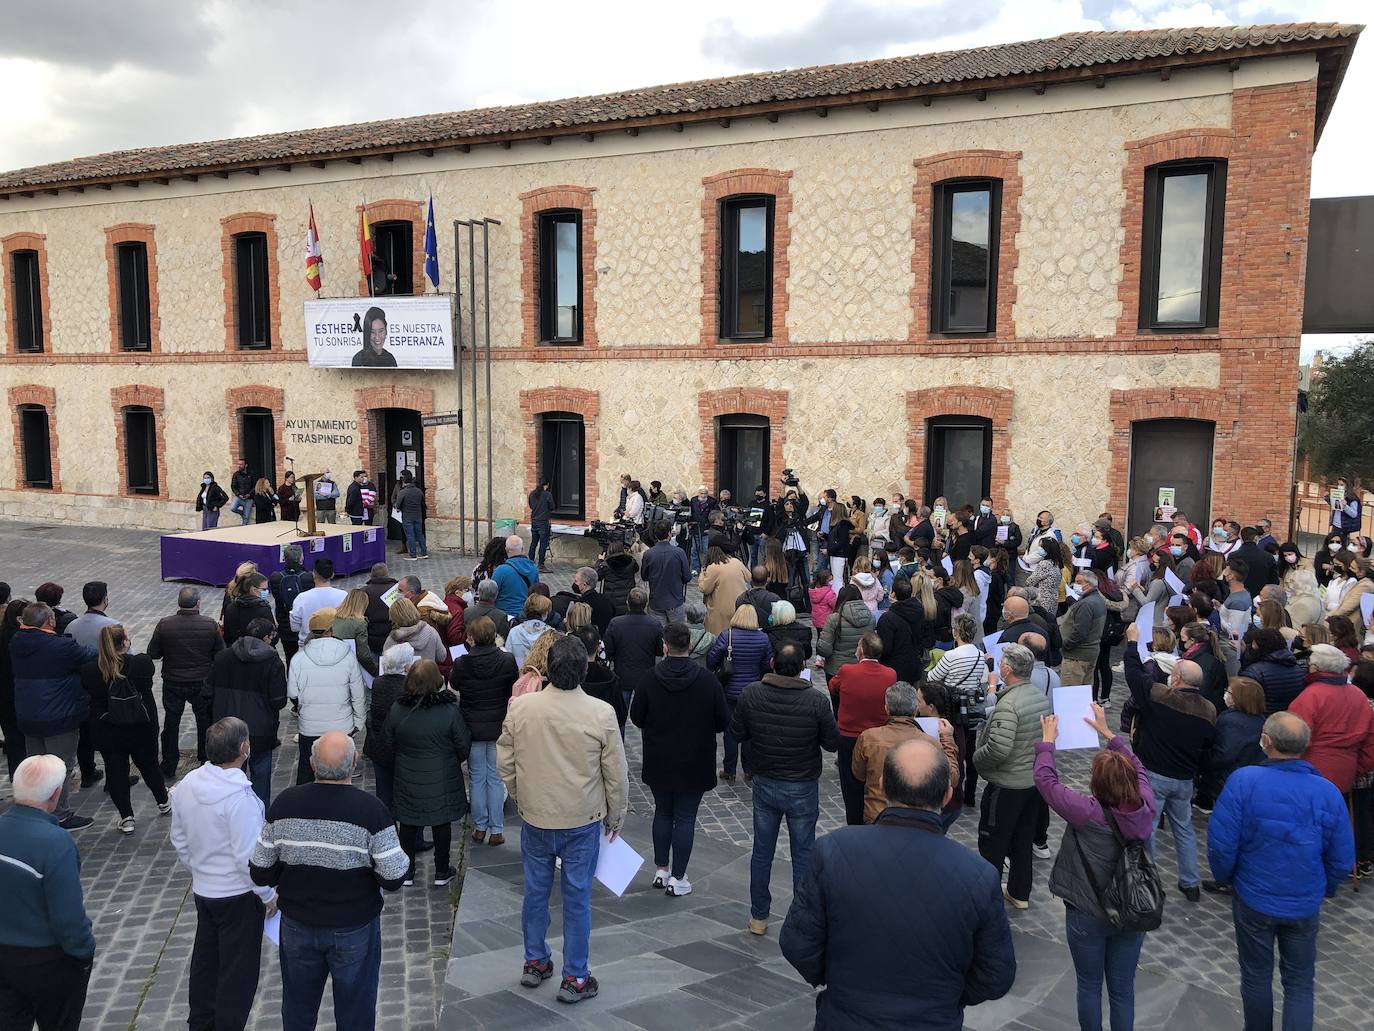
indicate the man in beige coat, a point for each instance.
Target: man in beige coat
{"x":563,"y":763}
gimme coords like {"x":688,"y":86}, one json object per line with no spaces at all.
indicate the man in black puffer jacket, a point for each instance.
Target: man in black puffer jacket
{"x":378,"y":613}
{"x":906,"y":634}
{"x":787,"y":722}
{"x":187,"y":643}
{"x":248,"y":680}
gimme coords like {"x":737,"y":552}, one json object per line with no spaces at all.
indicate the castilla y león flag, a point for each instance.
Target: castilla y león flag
{"x":314,"y":259}
{"x":364,"y":241}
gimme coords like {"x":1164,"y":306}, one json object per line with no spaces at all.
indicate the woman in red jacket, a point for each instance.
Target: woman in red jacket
{"x":1342,"y":724}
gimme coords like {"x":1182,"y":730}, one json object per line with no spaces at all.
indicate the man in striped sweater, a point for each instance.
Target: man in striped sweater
{"x":327,"y":847}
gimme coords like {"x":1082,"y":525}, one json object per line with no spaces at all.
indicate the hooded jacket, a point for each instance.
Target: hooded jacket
{"x":1279,"y":673}
{"x":48,"y":696}
{"x":483,"y":679}
{"x":787,"y":722}
{"x":522,"y":637}
{"x":429,"y":741}
{"x":216,"y":819}
{"x":907,"y":638}
{"x":243,"y":610}
{"x":681,"y":708}
{"x":378,"y":615}
{"x":1342,"y":744}
{"x":187,"y":643}
{"x":619,"y":574}
{"x":871,"y":589}
{"x":248,"y":680}
{"x":424,"y":639}
{"x":514,"y":577}
{"x":326,"y":681}
{"x":840,"y":635}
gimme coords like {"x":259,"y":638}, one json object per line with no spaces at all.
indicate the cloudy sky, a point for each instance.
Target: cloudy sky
{"x":85,"y":76}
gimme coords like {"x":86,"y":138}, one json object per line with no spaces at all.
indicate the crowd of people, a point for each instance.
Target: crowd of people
{"x":936,"y":640}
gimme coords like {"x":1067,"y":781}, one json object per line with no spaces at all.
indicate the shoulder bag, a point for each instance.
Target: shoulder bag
{"x":1133,"y":900}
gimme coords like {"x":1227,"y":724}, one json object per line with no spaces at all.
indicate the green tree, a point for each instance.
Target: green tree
{"x":1338,"y":431}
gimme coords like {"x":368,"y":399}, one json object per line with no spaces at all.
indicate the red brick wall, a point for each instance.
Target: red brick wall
{"x":411,"y":211}
{"x":32,"y":394}
{"x":741,"y":401}
{"x":549,"y":198}
{"x":960,"y":164}
{"x":130,"y":232}
{"x":256,"y":396}
{"x":250,"y":222}
{"x":730,"y":184}
{"x":993,"y":403}
{"x":147,"y":397}
{"x":586,"y":403}
{"x":26,"y":242}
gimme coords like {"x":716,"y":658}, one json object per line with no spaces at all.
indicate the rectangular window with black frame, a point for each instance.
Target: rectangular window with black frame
{"x":28,"y":302}
{"x":560,"y":277}
{"x":746,"y":268}
{"x":965,"y":230}
{"x":140,"y":449}
{"x":36,"y":442}
{"x":252,"y":299}
{"x":392,"y":258}
{"x":135,"y":314}
{"x":1181,"y":244}
{"x":563,"y":462}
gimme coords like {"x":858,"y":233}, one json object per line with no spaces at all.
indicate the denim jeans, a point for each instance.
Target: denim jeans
{"x":1099,"y":950}
{"x":350,"y":956}
{"x":579,"y":848}
{"x":209,"y":518}
{"x":539,"y":538}
{"x":1255,"y":935}
{"x":697,"y":554}
{"x":675,"y":827}
{"x":260,"y":775}
{"x":244,"y":508}
{"x":1175,"y":799}
{"x":797,"y":800}
{"x":415,"y":536}
{"x":488,"y":791}
{"x":756,"y":551}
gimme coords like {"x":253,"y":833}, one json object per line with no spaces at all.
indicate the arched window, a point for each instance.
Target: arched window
{"x":258,"y":442}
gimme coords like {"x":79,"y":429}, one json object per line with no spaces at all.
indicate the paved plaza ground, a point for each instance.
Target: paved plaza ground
{"x":663,"y":963}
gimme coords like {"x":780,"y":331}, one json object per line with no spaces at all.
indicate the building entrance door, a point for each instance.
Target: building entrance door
{"x":1170,"y":455}
{"x":405,"y":449}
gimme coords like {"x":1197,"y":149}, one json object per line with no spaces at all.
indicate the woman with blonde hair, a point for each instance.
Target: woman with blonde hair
{"x":967,"y":583}
{"x":237,"y":585}
{"x":123,"y":721}
{"x":775,"y":562}
{"x":579,"y":615}
{"x":350,"y":624}
{"x":523,"y":635}
{"x":750,"y":656}
{"x":408,"y":628}
{"x":264,"y":501}
{"x":534,"y":671}
{"x":1271,"y":616}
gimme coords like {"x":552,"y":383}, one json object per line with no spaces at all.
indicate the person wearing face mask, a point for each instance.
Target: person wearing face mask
{"x":1182,"y":522}
{"x":1082,"y":626}
{"x":1290,"y":560}
{"x":1183,"y":554}
{"x":1156,"y":589}
{"x":1103,"y":551}
{"x":1113,"y":535}
{"x":878,"y":523}
{"x":1081,"y":542}
{"x":984,"y":529}
{"x":1008,"y":533}
{"x":702,"y":507}
{"x":210,"y":500}
{"x":1322,"y":562}
{"x":1346,"y":516}
{"x":1261,"y":567}
{"x":1221,"y":542}
{"x":253,"y":602}
{"x":327,"y":498}
{"x":1045,"y":575}
{"x":1044,"y":527}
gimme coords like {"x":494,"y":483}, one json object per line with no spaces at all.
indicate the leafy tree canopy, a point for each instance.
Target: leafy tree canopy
{"x":1338,"y":433}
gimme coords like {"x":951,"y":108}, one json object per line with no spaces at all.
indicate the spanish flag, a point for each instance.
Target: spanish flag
{"x":365,"y":244}
{"x":314,"y":261}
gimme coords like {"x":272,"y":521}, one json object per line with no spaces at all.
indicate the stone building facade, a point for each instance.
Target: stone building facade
{"x":852,"y":387}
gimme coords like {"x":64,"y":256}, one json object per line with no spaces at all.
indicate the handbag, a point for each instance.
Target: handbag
{"x":1133,"y":900}
{"x":726,"y":668}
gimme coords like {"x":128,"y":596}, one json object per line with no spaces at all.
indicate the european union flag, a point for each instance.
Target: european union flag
{"x":431,"y":247}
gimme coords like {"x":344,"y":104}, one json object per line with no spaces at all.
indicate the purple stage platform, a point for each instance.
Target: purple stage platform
{"x":211,"y":556}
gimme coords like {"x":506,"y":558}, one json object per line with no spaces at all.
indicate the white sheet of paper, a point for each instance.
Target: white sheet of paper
{"x":317,"y":544}
{"x":948,"y":564}
{"x":994,"y":645}
{"x":1145,"y":628}
{"x":1174,"y":582}
{"x":1112,"y":572}
{"x":1071,"y":704}
{"x":458,"y":651}
{"x":617,"y":864}
{"x":805,"y":674}
{"x":390,"y":595}
{"x":271,"y":929}
{"x":1025,"y":564}
{"x":930,"y":724}
{"x":1083,"y":563}
{"x":369,"y":536}
{"x":1366,"y":607}
{"x":1142,"y":570}
{"x":1002,"y":532}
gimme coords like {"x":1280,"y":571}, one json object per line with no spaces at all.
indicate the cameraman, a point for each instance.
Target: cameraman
{"x":702,"y":507}
{"x":725,"y":534}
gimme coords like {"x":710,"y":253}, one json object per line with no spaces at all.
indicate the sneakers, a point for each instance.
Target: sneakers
{"x":1016,"y":903}
{"x":410,"y":558}
{"x":442,"y":877}
{"x":661,"y":877}
{"x":126,"y":825}
{"x":1041,"y":851}
{"x":759,"y":927}
{"x":165,"y":808}
{"x":679,"y":887}
{"x":536,"y":974}
{"x":425,"y":555}
{"x":75,"y":823}
{"x":573,"y":990}
{"x":409,"y":881}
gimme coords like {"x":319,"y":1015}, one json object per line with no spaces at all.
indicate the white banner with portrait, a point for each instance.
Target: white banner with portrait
{"x":380,"y":332}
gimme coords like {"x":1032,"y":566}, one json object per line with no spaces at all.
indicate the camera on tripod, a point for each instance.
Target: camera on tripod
{"x":675,"y":514}
{"x":605,"y":533}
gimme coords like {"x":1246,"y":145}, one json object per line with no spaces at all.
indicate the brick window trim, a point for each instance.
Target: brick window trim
{"x":146,"y":397}
{"x":411,"y":211}
{"x":34,"y":394}
{"x":1004,"y":165}
{"x":132,"y":232}
{"x":25,"y":241}
{"x":533,"y":204}
{"x":586,"y":403}
{"x":1127,"y":407}
{"x":991,"y":403}
{"x":255,"y":396}
{"x":711,"y":404}
{"x":1181,"y":145}
{"x":732,"y":184}
{"x":231,"y":226}
{"x":371,"y":453}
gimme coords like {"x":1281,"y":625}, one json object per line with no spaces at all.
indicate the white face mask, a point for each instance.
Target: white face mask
{"x":1334,"y":547}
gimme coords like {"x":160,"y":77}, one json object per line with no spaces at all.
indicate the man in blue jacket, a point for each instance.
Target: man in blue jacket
{"x":850,"y":927}
{"x":46,"y":944}
{"x":514,"y":577}
{"x":49,"y":700}
{"x":1280,"y":836}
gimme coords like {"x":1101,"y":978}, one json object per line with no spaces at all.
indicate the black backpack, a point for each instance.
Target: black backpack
{"x":125,"y":705}
{"x":285,"y":589}
{"x":1133,"y":900}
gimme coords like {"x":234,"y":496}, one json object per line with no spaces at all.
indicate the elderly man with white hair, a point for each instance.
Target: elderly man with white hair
{"x":1338,"y":714}
{"x":46,"y":943}
{"x":514,"y":578}
{"x":485,"y":605}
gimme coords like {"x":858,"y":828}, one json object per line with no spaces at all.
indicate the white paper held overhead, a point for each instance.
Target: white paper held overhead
{"x":1366,"y":607}
{"x":1072,"y":704}
{"x":1145,"y":628}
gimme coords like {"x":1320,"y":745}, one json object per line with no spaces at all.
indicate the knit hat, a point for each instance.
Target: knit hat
{"x":321,"y":620}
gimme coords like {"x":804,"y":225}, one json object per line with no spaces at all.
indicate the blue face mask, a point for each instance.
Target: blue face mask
{"x":1039,"y":554}
{"x":1006,"y":520}
{"x":1176,"y":550}
{"x":1077,"y":539}
{"x":1219,"y":533}
{"x":265,"y":594}
{"x":985,"y":509}
{"x":207,"y":481}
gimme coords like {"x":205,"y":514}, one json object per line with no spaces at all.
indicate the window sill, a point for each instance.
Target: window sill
{"x":952,"y":335}
{"x":560,"y":343}
{"x":1179,"y":331}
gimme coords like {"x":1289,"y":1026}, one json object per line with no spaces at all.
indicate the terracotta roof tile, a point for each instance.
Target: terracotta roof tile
{"x":1072,"y":51}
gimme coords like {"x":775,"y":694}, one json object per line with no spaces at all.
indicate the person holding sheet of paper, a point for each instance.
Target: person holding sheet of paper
{"x":1156,"y":589}
{"x":1173,"y":733}
{"x":1082,"y":626}
{"x":1119,"y":800}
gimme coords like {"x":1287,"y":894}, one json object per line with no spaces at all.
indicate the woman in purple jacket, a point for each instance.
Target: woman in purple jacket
{"x":1119,"y":784}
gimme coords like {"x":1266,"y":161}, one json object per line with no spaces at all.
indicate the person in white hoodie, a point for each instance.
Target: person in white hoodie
{"x":216,"y":819}
{"x":326,"y":682}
